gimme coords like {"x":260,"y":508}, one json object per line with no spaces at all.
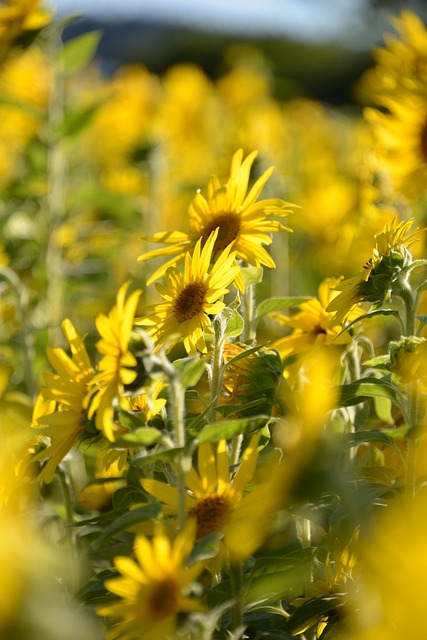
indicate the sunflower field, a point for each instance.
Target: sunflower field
{"x":213,"y":357}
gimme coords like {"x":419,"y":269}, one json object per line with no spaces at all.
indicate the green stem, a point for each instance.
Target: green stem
{"x":409,"y":300}
{"x":249,"y":333}
{"x":55,"y":200}
{"x":412,"y":442}
{"x":236,"y":578}
{"x":217,"y":365}
{"x":178,"y":415}
{"x":27,"y":331}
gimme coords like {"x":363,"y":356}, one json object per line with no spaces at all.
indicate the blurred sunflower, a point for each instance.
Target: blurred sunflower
{"x":401,"y":64}
{"x":217,"y":501}
{"x":154,"y":588}
{"x":19,"y":18}
{"x":375,"y":283}
{"x":59,"y":411}
{"x":401,"y":140}
{"x":189,"y":299}
{"x":240,"y":217}
{"x":312,"y":325}
{"x":117,"y":367}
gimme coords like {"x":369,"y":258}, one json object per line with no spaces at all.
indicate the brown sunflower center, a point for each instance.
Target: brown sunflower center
{"x":423,"y":141}
{"x":229,"y":229}
{"x":163,"y":600}
{"x":190,"y":301}
{"x":211,"y":514}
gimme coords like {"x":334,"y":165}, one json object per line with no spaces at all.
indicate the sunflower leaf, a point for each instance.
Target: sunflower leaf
{"x":140,"y":514}
{"x":142,"y":437}
{"x":190,"y":370}
{"x":230,"y":428}
{"x":276,"y":304}
{"x":235,"y":325}
{"x":79,"y":51}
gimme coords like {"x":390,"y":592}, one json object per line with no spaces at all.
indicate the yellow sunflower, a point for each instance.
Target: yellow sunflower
{"x":312,"y":325}
{"x":59,"y":409}
{"x":217,"y":501}
{"x":20,"y":17}
{"x":154,"y":588}
{"x":116,"y":368}
{"x":189,"y":299}
{"x":375,"y":282}
{"x":240,"y":217}
{"x":401,"y":140}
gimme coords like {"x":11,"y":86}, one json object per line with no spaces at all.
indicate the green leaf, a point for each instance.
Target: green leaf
{"x":206,"y":548}
{"x":310,"y":612}
{"x":275,"y":578}
{"x":76,"y":121}
{"x":383,"y":410}
{"x":230,"y":428}
{"x":252,"y":275}
{"x":129,"y":519}
{"x":142,"y":437}
{"x":276,"y":304}
{"x":167,"y":455}
{"x":365,"y":388}
{"x":369,"y":435}
{"x":379,"y":361}
{"x":79,"y":51}
{"x":190,"y":370}
{"x":371,"y":314}
{"x":235,"y":325}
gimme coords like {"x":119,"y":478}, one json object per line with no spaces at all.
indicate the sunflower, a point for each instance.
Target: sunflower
{"x":402,"y":63}
{"x":240,"y":217}
{"x":216,"y":501}
{"x":376,"y":281}
{"x":312,"y":325}
{"x":117,"y":367}
{"x":400,"y":137}
{"x":153,"y":588}
{"x":59,"y":410}
{"x":20,"y":18}
{"x":189,"y":299}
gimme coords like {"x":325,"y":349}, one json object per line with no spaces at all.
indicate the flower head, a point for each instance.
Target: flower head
{"x":240,"y":217}
{"x":59,"y":410}
{"x":312,"y":325}
{"x":217,"y":501}
{"x":375,"y":283}
{"x":153,"y":588}
{"x":18,"y":18}
{"x":189,"y":299}
{"x":117,"y":366}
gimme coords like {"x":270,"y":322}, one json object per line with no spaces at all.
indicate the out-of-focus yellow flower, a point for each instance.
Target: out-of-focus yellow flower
{"x":312,"y":326}
{"x":96,"y":495}
{"x":401,"y":140}
{"x":374,"y":284}
{"x":117,"y":366}
{"x":401,"y":64}
{"x":120,"y":128}
{"x":390,"y":602}
{"x":59,"y":411}
{"x":192,"y":297}
{"x":147,"y":402}
{"x":18,"y":18}
{"x":154,"y":588}
{"x":218,"y":501}
{"x":338,"y":588}
{"x":240,"y":217}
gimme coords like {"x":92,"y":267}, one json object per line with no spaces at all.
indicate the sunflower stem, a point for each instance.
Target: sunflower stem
{"x":236,"y":578}
{"x":248,"y":313}
{"x":27,"y":330}
{"x":217,"y":364}
{"x":409,"y":300}
{"x":55,"y":199}
{"x":178,"y":415}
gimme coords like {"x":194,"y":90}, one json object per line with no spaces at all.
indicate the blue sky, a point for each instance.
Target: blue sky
{"x":315,"y":20}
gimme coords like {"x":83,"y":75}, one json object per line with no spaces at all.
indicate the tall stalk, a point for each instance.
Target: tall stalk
{"x":55,"y":196}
